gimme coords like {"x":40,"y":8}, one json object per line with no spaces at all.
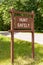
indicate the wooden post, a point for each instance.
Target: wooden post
{"x":12,"y":37}
{"x":32,"y":44}
{"x":33,"y":35}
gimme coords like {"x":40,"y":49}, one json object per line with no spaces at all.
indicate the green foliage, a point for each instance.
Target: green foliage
{"x":1,"y":21}
{"x":22,"y":5}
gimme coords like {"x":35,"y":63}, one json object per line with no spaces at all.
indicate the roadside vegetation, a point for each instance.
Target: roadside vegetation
{"x":22,"y":52}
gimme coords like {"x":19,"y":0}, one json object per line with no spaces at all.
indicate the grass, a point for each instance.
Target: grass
{"x":22,"y":54}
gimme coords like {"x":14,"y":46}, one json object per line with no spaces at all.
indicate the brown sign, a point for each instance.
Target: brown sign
{"x":21,"y":24}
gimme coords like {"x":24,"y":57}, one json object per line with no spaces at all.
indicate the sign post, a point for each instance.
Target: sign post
{"x":21,"y":24}
{"x":12,"y":38}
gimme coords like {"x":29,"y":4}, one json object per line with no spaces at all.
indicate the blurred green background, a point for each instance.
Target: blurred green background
{"x":21,"y":5}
